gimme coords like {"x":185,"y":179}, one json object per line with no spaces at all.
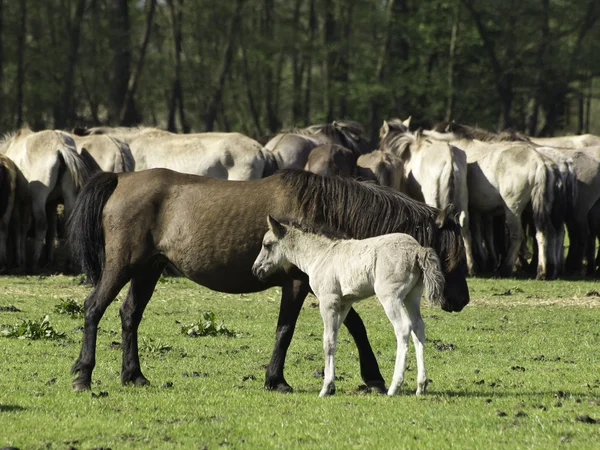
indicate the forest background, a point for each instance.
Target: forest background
{"x":257,"y":66}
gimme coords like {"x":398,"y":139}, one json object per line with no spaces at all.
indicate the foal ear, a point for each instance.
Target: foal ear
{"x":406,"y":122}
{"x":448,"y":211}
{"x":276,"y":227}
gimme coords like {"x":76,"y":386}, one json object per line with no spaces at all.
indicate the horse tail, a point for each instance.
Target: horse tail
{"x":271,"y":165}
{"x":126,"y":162}
{"x":571,"y":185}
{"x":542,"y":196}
{"x":446,"y":187}
{"x":433,"y":277}
{"x":80,"y":167}
{"x":85,"y":232}
{"x":560,"y":204}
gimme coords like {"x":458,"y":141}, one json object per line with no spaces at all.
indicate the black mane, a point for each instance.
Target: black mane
{"x":363,"y":210}
{"x":470,"y":133}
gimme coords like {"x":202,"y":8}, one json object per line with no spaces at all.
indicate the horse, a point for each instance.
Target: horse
{"x":332,"y":159}
{"x":503,"y":177}
{"x":55,"y":172}
{"x":579,"y":141}
{"x":382,"y":168}
{"x":292,"y":148}
{"x":128,"y":226}
{"x":435,"y":173}
{"x":109,"y":153}
{"x":228,"y":156}
{"x":15,"y":214}
{"x":341,"y":272}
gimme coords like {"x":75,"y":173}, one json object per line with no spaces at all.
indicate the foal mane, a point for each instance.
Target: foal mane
{"x":365,"y":210}
{"x":398,"y":138}
{"x":313,"y":228}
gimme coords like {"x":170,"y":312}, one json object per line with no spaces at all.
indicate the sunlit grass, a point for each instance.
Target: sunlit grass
{"x":518,"y":368}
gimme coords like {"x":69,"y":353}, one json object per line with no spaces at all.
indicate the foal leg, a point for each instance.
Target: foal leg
{"x":413,"y":309}
{"x":95,"y":305}
{"x":140,"y":292}
{"x":332,"y":312}
{"x":392,"y":304}
{"x":293,"y":293}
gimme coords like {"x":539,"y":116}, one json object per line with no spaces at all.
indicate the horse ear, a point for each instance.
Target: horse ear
{"x":448,"y":211}
{"x":384,"y":130}
{"x":406,"y":122}
{"x":276,"y":227}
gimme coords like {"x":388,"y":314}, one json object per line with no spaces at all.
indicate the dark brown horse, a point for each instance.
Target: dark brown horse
{"x":127,"y":227}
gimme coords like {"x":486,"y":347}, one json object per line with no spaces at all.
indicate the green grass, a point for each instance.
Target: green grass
{"x":515,"y":369}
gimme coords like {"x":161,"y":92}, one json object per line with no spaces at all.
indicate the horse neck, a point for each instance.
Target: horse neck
{"x":306,"y":250}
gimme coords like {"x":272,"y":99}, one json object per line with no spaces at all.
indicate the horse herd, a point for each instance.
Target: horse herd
{"x":468,"y":194}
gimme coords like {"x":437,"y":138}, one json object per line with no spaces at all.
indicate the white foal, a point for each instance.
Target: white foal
{"x":393,"y":266}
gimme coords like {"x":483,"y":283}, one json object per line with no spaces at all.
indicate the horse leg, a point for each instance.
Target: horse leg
{"x":293,"y":293}
{"x":110,"y":284}
{"x":578,"y":235}
{"x":480,"y":253}
{"x":140,"y":291}
{"x":331,"y":313}
{"x":51,"y":231}
{"x":40,"y":226}
{"x":3,"y":247}
{"x":590,"y":252}
{"x":513,"y":222}
{"x":369,"y":369}
{"x":466,"y":235}
{"x":392,"y":304}
{"x":417,"y":326}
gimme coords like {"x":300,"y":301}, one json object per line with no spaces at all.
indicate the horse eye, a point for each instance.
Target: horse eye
{"x":267,"y":245}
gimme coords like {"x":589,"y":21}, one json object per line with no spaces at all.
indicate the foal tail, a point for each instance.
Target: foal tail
{"x":85,"y":233}
{"x":433,"y":277}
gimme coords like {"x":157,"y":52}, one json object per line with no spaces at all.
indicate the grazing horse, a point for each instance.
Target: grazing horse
{"x":55,"y":173}
{"x":109,"y":153}
{"x":15,"y":214}
{"x":503,"y":177}
{"x":434,"y":172}
{"x":292,"y":148}
{"x":127,"y":227}
{"x":330,"y":160}
{"x":228,"y":156}
{"x":341,"y":272}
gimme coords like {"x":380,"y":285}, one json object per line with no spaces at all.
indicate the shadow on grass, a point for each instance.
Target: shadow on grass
{"x":10,"y":408}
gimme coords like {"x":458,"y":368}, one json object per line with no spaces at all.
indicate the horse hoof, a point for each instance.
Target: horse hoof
{"x":377,"y":386}
{"x":280,"y":386}
{"x":327,"y":391}
{"x":141,"y":381}
{"x":79,"y":386}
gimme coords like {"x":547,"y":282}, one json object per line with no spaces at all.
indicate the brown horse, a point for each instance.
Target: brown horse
{"x":127,"y":227}
{"x":332,"y":159}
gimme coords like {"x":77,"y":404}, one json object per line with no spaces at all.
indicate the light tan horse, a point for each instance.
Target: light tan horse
{"x":434,"y":172}
{"x":111,"y":154}
{"x":55,"y":173}
{"x":15,"y":215}
{"x":503,"y":177}
{"x":227,"y":156}
{"x":578,"y":141}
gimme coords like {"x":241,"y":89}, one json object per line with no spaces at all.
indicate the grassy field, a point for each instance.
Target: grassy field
{"x":518,"y":368}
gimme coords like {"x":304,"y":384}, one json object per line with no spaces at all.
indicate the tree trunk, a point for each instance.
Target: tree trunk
{"x":451,"y":62}
{"x":269,"y":36}
{"x":65,"y":114}
{"x":21,"y":61}
{"x":120,"y":42}
{"x":375,"y":102}
{"x":297,"y":66}
{"x":133,"y":81}
{"x":532,"y":124}
{"x":176,"y":7}
{"x":330,"y":44}
{"x":251,"y":101}
{"x":1,"y":65}
{"x":342,"y":72}
{"x":312,"y":25}
{"x":213,"y":107}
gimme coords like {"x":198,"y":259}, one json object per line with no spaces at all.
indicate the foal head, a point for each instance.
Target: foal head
{"x":272,"y":257}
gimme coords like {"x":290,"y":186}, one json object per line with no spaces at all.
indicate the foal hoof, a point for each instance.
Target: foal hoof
{"x":141,"y":381}
{"x":80,"y":385}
